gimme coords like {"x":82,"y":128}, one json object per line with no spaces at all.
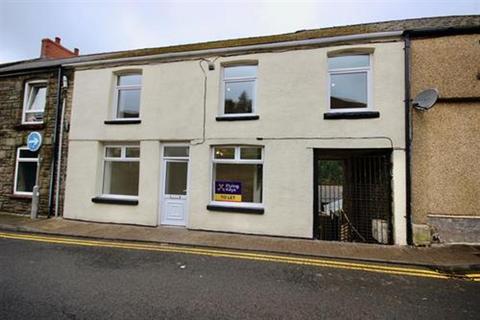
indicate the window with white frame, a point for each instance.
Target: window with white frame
{"x":34,"y":101}
{"x":25,"y":171}
{"x":239,"y":87}
{"x":237,"y":175}
{"x":121,"y":168}
{"x":127,"y":96}
{"x":350,"y":81}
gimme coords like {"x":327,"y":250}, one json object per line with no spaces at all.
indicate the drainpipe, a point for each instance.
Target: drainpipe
{"x":53,"y":163}
{"x":60,"y":145}
{"x":408,"y":138}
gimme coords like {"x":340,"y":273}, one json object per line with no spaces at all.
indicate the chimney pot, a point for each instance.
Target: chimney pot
{"x":76,"y":51}
{"x":58,"y":40}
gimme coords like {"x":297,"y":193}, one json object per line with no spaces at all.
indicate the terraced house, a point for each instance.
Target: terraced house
{"x":446,"y":138}
{"x":31,"y":95}
{"x":305,"y":134}
{"x":35,"y":97}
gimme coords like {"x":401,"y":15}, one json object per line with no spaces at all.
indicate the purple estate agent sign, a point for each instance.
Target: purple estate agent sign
{"x":228,"y":191}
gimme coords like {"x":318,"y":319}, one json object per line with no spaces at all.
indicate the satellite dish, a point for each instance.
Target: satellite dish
{"x":425,"y":99}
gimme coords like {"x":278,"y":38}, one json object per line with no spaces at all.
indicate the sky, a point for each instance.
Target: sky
{"x":103,"y":26}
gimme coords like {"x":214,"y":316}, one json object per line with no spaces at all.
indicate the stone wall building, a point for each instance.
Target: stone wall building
{"x":31,"y":99}
{"x":446,"y":138}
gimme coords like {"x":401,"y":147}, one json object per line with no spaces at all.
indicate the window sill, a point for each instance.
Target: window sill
{"x":238,"y":118}
{"x":30,"y":126}
{"x":128,"y":202}
{"x":133,"y":121}
{"x":351,"y":115}
{"x":21,"y":196}
{"x":212,"y":207}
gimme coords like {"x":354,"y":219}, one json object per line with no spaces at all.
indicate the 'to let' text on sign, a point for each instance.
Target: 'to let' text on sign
{"x":228,"y":191}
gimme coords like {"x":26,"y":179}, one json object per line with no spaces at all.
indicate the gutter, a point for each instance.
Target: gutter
{"x":232,"y":50}
{"x":439,"y":32}
{"x":27,"y":71}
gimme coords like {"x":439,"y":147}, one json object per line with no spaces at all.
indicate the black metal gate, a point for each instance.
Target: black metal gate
{"x":353,"y":195}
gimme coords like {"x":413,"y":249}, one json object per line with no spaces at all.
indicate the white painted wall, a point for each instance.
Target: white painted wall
{"x":291,"y":99}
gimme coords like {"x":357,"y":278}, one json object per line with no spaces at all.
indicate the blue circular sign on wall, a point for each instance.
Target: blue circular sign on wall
{"x":34,"y":141}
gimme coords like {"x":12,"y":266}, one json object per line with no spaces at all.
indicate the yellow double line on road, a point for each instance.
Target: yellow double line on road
{"x":473,"y":276}
{"x":403,"y":271}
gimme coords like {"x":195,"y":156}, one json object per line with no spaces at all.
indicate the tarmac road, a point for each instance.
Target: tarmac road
{"x":42,"y":280}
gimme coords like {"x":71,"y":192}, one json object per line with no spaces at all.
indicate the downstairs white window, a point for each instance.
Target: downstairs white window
{"x":237,"y":176}
{"x":121,"y":169}
{"x":25,"y":171}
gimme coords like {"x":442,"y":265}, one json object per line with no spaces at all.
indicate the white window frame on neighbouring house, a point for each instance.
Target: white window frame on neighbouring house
{"x":225,"y":80}
{"x":236,"y":160}
{"x":17,"y":162}
{"x":358,"y":70}
{"x":118,"y":88}
{"x":29,"y":86}
{"x":122,"y":158}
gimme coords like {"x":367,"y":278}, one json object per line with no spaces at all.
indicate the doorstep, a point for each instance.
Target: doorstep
{"x":452,"y":258}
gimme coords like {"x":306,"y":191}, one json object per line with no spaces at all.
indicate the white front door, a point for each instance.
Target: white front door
{"x":174,"y":202}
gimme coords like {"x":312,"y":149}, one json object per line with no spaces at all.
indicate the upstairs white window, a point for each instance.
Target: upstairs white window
{"x":127,"y":96}
{"x":25,"y":171}
{"x":237,"y":176}
{"x":349,"y":82}
{"x":239,"y":90}
{"x":121,"y":171}
{"x":34,"y":102}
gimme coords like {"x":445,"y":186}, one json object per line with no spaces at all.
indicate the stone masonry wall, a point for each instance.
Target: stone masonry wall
{"x":13,"y":135}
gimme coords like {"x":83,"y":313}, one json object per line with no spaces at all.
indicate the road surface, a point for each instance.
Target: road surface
{"x":43,"y":280}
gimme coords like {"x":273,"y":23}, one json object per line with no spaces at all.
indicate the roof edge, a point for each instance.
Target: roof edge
{"x":445,"y":31}
{"x":246,"y":48}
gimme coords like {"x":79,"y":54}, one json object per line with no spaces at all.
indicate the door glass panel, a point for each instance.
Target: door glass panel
{"x":176,"y":178}
{"x":176,"y":152}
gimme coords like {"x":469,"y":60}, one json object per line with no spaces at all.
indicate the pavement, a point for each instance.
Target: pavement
{"x":56,"y":280}
{"x":456,"y":259}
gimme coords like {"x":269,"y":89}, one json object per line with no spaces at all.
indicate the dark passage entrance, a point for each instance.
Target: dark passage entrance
{"x":352,"y":198}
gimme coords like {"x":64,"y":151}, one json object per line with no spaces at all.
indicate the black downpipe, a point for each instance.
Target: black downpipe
{"x":53,"y":165}
{"x":408,"y":138}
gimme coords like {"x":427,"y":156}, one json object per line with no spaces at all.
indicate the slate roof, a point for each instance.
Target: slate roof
{"x":385,"y":26}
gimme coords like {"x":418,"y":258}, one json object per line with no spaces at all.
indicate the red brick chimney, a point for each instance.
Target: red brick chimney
{"x":54,"y":50}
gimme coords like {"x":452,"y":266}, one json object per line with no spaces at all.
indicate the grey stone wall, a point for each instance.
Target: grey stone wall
{"x":455,"y":229}
{"x":13,"y":135}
